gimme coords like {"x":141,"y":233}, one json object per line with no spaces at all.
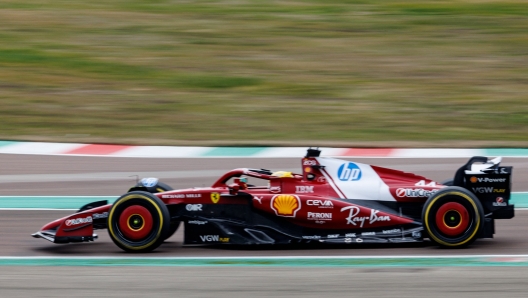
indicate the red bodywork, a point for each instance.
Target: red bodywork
{"x":311,"y":199}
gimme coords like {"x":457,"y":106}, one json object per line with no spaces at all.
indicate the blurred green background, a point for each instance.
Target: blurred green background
{"x":262,"y":72}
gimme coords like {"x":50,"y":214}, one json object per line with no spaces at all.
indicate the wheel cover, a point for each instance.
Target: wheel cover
{"x":135,"y":222}
{"x":452,"y":219}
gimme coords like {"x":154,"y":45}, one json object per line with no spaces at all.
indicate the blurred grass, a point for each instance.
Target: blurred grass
{"x":312,"y":72}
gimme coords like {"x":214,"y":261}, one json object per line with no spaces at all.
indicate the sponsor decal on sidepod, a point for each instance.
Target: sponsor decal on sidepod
{"x":320,"y":203}
{"x":193,"y":207}
{"x":319,"y":216}
{"x":213,"y":238}
{"x":285,"y":205}
{"x":353,"y":219}
{"x":414,"y":193}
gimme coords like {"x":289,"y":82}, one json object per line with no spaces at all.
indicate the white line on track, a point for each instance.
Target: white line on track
{"x":37,"y":209}
{"x":111,"y":176}
{"x":107,"y":176}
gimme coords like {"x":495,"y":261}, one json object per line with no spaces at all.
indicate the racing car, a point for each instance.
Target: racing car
{"x":329,"y":201}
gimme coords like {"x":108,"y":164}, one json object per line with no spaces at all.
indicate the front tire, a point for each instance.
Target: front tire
{"x":453,"y":217}
{"x":154,"y":187}
{"x":138,"y":222}
{"x":174,"y":225}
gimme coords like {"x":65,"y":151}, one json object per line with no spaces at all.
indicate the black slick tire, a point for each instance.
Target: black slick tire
{"x":138,"y":222}
{"x":453,"y":217}
{"x":174,"y":225}
{"x":161,"y":187}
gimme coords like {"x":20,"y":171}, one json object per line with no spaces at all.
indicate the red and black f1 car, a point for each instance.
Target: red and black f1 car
{"x":331,"y":201}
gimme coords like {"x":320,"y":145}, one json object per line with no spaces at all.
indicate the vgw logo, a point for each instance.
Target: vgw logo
{"x":349,"y":172}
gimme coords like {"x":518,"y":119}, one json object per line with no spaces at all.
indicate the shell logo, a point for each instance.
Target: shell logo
{"x":285,"y":205}
{"x":473,"y":179}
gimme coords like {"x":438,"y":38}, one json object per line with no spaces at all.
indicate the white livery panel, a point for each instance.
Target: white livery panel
{"x":352,"y":180}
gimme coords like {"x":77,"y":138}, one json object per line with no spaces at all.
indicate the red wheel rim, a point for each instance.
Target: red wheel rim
{"x":135,"y":222}
{"x":452,"y":219}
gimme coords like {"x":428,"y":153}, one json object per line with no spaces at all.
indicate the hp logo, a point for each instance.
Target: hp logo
{"x":349,"y":172}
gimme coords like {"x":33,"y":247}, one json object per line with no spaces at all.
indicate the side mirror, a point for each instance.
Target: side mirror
{"x":234,"y":188}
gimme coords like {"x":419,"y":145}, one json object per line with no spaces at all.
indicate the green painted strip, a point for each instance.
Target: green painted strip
{"x":273,"y":262}
{"x":234,"y":151}
{"x":51,"y":202}
{"x":519,"y":199}
{"x":7,"y":143}
{"x":506,"y":152}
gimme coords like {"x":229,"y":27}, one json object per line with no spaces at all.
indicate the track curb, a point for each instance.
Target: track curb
{"x":77,"y":149}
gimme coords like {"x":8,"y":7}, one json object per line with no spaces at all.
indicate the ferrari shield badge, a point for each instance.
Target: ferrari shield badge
{"x":215,"y":197}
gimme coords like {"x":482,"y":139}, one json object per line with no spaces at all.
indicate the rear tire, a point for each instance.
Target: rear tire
{"x":453,"y":217}
{"x":138,"y":222}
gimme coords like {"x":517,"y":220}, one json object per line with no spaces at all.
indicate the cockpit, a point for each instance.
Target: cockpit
{"x":254,"y":180}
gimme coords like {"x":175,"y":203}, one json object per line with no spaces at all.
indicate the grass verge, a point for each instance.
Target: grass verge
{"x":250,"y":72}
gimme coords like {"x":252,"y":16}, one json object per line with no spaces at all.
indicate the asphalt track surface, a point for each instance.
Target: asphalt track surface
{"x":77,"y":175}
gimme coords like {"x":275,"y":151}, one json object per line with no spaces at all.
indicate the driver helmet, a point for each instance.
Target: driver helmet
{"x":282,"y":174}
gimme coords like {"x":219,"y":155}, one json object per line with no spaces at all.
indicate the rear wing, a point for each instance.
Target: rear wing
{"x":490,"y":182}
